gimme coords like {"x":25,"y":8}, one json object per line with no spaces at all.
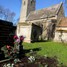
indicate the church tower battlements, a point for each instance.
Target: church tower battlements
{"x":26,"y":7}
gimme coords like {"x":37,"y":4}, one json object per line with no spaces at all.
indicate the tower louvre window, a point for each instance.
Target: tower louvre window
{"x":24,"y":2}
{"x":32,"y":1}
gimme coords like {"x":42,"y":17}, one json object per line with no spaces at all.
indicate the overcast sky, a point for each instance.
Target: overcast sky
{"x":14,"y":5}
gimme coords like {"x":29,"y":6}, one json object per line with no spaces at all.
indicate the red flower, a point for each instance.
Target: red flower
{"x":8,"y":47}
{"x":21,"y":38}
{"x":15,"y":37}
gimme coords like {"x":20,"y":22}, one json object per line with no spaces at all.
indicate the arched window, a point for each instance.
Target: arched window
{"x":24,"y":2}
{"x":32,"y":1}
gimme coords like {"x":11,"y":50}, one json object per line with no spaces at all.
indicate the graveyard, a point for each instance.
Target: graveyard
{"x":49,"y":49}
{"x":38,"y":54}
{"x":38,"y":40}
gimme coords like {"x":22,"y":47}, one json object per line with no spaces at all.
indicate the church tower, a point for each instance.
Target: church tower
{"x":24,"y":28}
{"x":26,"y":7}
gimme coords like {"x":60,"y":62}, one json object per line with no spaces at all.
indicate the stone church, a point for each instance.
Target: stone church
{"x":37,"y":25}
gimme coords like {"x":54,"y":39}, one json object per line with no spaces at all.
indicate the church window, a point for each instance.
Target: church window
{"x":32,"y":2}
{"x":24,"y":3}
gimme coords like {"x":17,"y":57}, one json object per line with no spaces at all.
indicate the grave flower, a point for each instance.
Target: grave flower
{"x":15,"y":37}
{"x":8,"y":46}
{"x":16,"y":46}
{"x":8,"y":65}
{"x":31,"y":58}
{"x":22,"y":37}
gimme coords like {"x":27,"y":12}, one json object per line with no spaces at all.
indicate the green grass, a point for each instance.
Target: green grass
{"x":50,"y":49}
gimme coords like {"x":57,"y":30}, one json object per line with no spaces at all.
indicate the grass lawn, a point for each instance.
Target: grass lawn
{"x":50,"y":49}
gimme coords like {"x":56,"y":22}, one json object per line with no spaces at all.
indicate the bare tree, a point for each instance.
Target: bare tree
{"x":1,"y":12}
{"x":6,"y":14}
{"x":11,"y":16}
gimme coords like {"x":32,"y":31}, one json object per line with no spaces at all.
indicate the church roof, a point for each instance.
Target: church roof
{"x":44,"y":13}
{"x":63,"y":22}
{"x":62,"y":26}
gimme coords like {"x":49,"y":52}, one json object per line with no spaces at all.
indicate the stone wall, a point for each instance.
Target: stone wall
{"x":61,"y":35}
{"x":25,"y":30}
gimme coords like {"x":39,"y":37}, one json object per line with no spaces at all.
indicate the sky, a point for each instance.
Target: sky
{"x":15,"y":5}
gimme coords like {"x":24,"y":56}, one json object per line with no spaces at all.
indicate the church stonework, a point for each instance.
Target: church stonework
{"x":23,"y":27}
{"x":36,"y":25}
{"x":26,"y":8}
{"x":25,"y":30}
